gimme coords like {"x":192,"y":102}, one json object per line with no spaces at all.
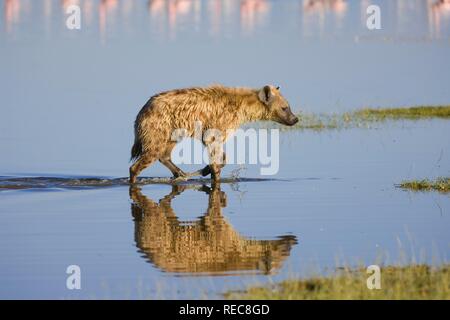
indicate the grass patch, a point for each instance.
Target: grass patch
{"x":413,"y":113}
{"x":399,"y":283}
{"x":362,"y":118}
{"x":440,"y":184}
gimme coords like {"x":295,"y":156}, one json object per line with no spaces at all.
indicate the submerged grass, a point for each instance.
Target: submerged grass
{"x":440,"y":184}
{"x":397,"y":282}
{"x":364,"y":117}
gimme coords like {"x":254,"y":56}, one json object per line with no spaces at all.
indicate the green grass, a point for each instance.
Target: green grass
{"x":363,"y":118}
{"x":440,"y":184}
{"x":399,"y":283}
{"x":413,"y":113}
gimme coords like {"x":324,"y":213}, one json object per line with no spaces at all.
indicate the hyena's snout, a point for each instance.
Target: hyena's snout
{"x":292,"y":120}
{"x":288,"y":117}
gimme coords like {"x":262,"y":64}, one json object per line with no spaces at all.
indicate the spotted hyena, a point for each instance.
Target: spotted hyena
{"x":216,"y":107}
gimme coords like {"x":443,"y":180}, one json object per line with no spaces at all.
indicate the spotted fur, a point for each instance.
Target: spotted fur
{"x":216,"y":107}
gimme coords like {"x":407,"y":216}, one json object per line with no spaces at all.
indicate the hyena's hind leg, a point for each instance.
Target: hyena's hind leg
{"x":178,"y":174}
{"x":141,"y":163}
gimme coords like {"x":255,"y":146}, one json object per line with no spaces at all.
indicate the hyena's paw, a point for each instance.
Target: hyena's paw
{"x":179,"y":178}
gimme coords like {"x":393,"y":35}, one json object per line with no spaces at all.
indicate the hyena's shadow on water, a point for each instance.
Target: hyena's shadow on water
{"x":207,"y":246}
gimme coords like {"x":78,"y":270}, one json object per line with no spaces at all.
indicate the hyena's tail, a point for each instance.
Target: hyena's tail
{"x":136,"y":150}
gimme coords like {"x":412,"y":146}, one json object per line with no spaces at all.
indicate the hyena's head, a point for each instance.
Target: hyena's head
{"x":279,"y":109}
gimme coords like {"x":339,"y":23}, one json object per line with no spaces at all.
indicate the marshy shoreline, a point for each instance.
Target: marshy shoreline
{"x":411,"y":282}
{"x":363,"y":118}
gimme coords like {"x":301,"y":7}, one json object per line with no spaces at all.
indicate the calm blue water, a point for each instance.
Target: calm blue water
{"x":69,"y":99}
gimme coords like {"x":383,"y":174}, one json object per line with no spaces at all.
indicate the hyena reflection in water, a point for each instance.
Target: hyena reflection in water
{"x":209,"y":245}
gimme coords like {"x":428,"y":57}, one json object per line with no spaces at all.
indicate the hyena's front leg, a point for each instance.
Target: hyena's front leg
{"x":213,"y":140}
{"x":202,"y":172}
{"x":207,"y":169}
{"x":216,"y":160}
{"x":215,"y":173}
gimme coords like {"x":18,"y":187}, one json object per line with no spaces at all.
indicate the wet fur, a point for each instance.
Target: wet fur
{"x":217,"y":107}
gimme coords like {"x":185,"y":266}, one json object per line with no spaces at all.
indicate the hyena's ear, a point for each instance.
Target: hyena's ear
{"x":265,"y":94}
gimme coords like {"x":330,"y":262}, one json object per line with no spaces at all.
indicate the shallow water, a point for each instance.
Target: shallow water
{"x":69,"y":100}
{"x":336,"y":199}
